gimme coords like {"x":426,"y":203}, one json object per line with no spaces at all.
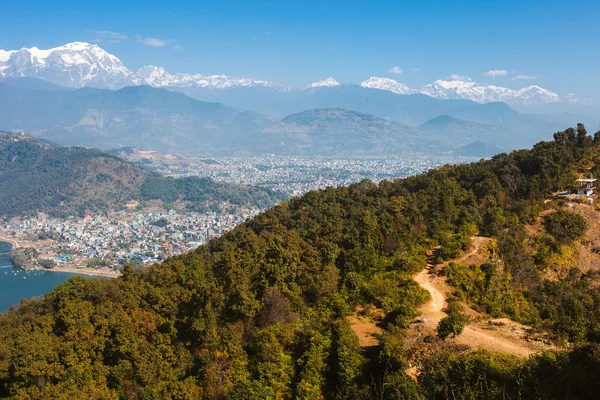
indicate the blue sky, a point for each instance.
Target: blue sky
{"x":295,"y":43}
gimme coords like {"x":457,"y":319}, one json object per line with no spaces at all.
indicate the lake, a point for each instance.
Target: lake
{"x":16,"y":284}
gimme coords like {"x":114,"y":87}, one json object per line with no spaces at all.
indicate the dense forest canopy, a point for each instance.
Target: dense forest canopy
{"x":259,"y":312}
{"x":67,"y":181}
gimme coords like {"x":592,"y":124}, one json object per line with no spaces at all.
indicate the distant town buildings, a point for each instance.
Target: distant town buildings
{"x":126,"y":236}
{"x":296,"y":175}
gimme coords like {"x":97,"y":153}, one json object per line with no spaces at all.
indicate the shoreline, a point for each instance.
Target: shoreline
{"x":84,"y":271}
{"x":24,"y":244}
{"x":73,"y":270}
{"x":13,"y":242}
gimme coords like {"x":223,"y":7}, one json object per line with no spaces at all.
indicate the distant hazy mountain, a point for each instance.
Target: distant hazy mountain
{"x":157,"y":119}
{"x":340,"y":132}
{"x":38,"y":177}
{"x":409,"y":110}
{"x":139,"y":116}
{"x":514,"y":130}
{"x":462,"y":132}
{"x":478,"y":149}
{"x":33,"y":84}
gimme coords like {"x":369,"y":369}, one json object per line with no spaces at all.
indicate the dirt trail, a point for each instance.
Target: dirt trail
{"x":501,"y":335}
{"x":432,"y":310}
{"x":477,"y":242}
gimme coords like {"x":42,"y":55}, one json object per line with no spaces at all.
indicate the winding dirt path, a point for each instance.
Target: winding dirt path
{"x":432,"y":310}
{"x":500,"y":335}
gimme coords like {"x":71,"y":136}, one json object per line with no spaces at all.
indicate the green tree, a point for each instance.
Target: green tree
{"x":453,"y":324}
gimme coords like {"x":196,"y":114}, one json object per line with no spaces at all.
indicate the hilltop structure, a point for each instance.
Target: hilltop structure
{"x":585,"y":187}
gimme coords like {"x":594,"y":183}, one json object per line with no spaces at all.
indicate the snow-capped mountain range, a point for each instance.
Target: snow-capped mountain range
{"x":324,"y":83}
{"x":466,"y":89}
{"x":387,"y":84}
{"x":158,"y":77}
{"x":73,"y":65}
{"x":82,"y":64}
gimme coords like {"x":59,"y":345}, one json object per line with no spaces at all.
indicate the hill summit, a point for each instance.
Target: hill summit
{"x":328,"y":131}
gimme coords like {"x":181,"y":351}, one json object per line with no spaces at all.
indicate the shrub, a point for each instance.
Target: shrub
{"x":565,"y":226}
{"x":453,"y":324}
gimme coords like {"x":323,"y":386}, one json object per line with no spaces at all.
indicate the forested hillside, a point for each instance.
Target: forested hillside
{"x":260,"y":312}
{"x":36,"y":176}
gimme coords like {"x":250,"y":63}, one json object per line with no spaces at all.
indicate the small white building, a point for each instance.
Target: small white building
{"x":587,"y":187}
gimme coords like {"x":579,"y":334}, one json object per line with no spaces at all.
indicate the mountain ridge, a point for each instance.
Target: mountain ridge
{"x":67,"y":181}
{"x":160,"y":119}
{"x":464,"y":132}
{"x":139,"y":116}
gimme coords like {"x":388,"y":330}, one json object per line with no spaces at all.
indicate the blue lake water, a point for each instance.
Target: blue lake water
{"x":16,"y":284}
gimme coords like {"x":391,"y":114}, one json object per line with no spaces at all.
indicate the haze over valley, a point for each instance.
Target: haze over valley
{"x":78,"y":94}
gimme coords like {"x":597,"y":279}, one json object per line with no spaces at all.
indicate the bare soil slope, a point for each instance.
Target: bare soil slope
{"x":365,"y":328}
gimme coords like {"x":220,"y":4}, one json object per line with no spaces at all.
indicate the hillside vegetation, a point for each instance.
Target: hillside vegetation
{"x":260,"y":312}
{"x":36,"y":176}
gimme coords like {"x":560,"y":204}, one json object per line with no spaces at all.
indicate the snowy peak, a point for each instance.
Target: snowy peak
{"x":225,"y":82}
{"x":482,"y":93}
{"x":153,"y":76}
{"x":92,"y":51}
{"x":387,"y":84}
{"x":454,"y":89}
{"x":75,"y":65}
{"x":324,"y":83}
{"x":81,"y":64}
{"x":536,"y":94}
{"x":79,"y":46}
{"x":462,"y":87}
{"x":5,"y":55}
{"x":159,"y":77}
